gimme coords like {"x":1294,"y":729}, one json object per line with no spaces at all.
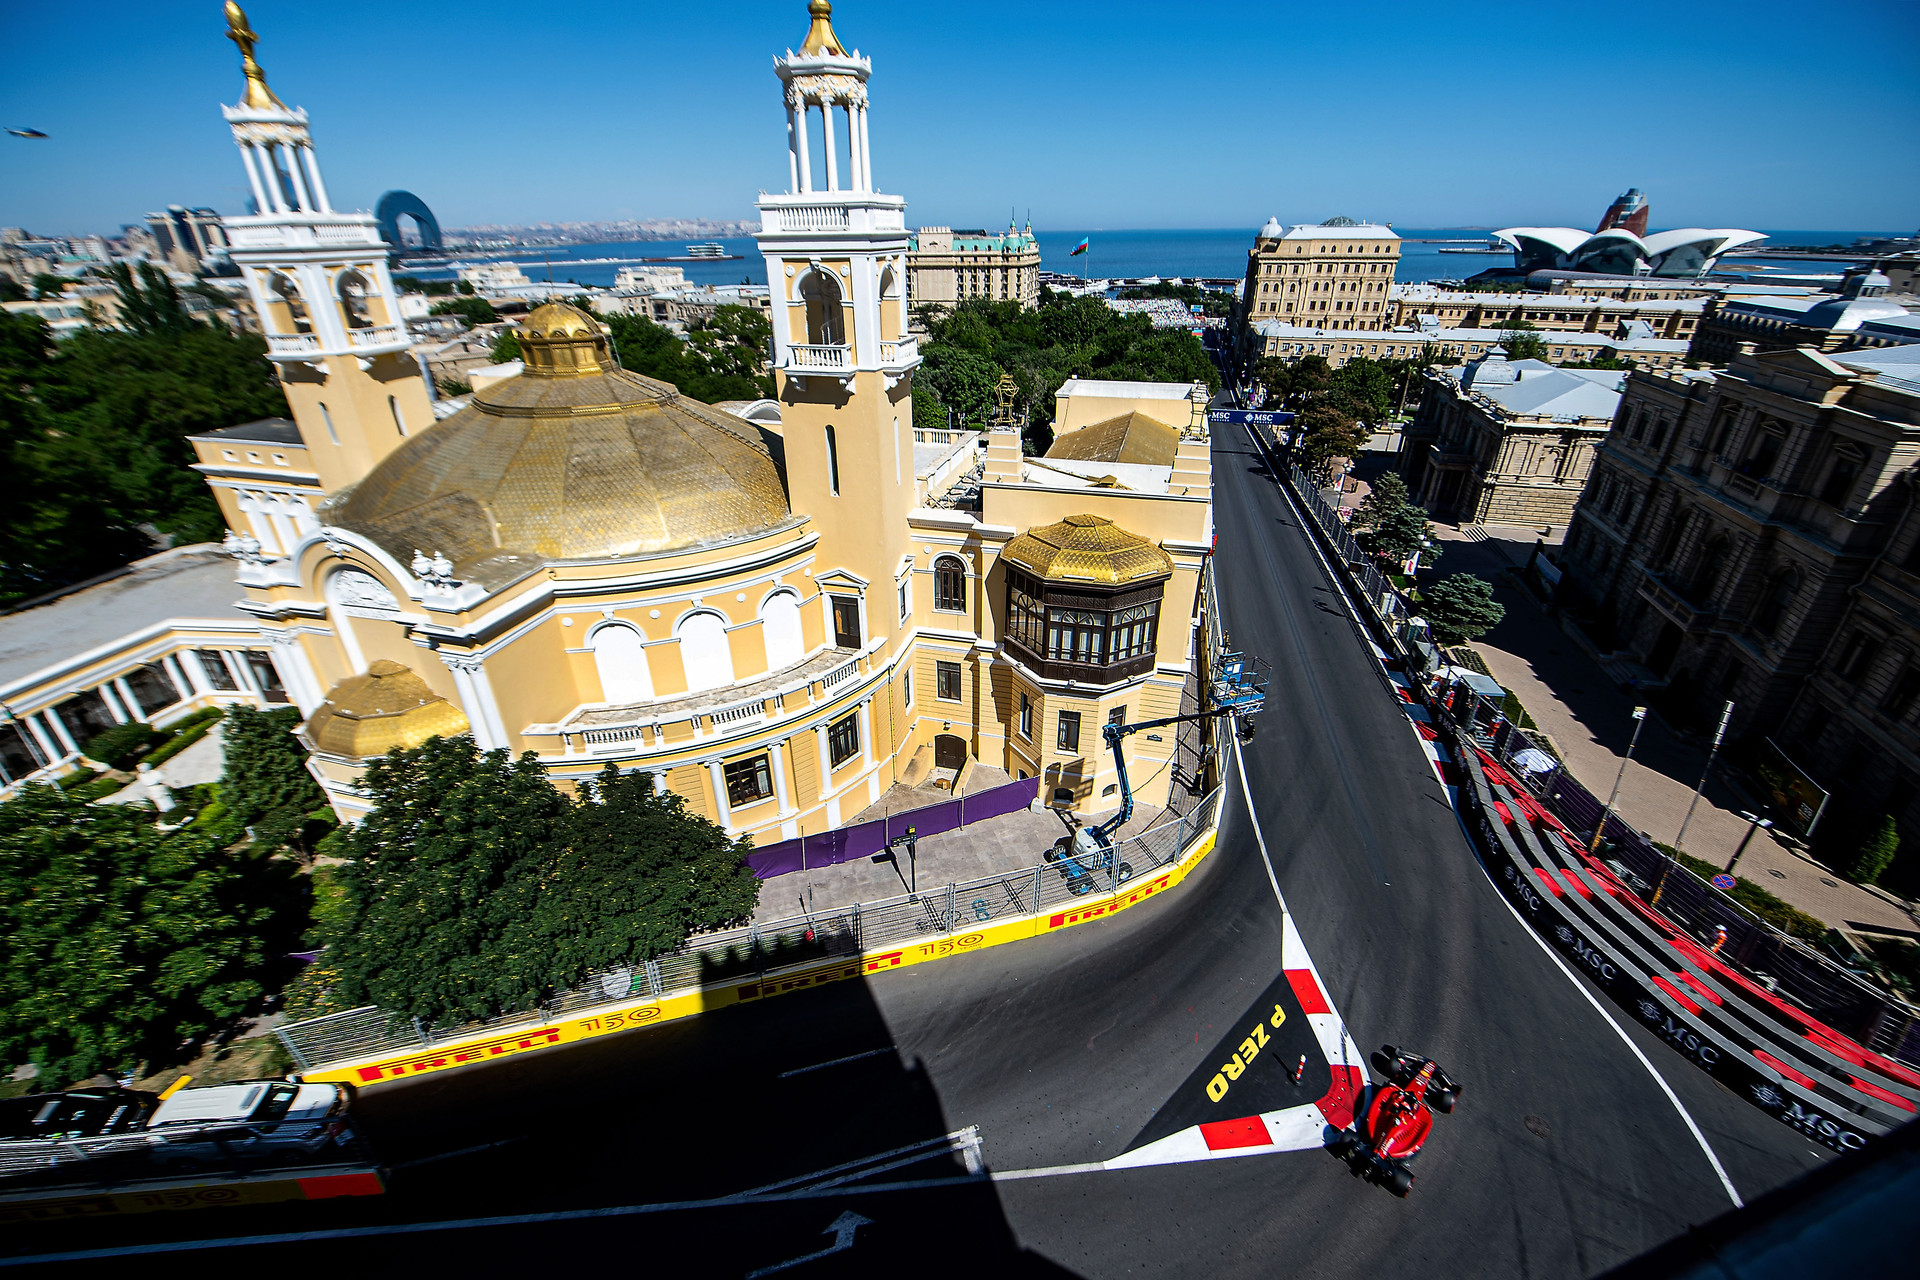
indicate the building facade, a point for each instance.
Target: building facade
{"x":1507,"y":442}
{"x":1427,"y":340}
{"x":1751,"y":534}
{"x":946,"y":267}
{"x":1824,"y":322}
{"x":1551,"y":312}
{"x":1336,"y":276}
{"x":776,"y":615}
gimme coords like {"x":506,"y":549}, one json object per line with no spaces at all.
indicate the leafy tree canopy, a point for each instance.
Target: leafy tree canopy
{"x":475,"y":887}
{"x":1388,"y":494}
{"x":117,"y":940}
{"x":973,"y":345}
{"x":266,"y":785}
{"x":1523,"y":342}
{"x":1875,"y":853}
{"x":1461,"y":608}
{"x":721,"y":359}
{"x":475,"y":311}
{"x":93,"y":433}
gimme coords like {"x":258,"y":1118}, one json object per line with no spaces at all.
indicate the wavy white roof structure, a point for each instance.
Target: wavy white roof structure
{"x":1687,"y":251}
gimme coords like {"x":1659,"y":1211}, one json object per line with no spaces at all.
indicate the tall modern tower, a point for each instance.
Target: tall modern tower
{"x":320,"y":283}
{"x":836,"y":252}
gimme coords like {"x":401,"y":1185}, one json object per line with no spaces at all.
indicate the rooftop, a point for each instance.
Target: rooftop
{"x":1535,"y":389}
{"x":1131,"y":437}
{"x":187,"y":582}
{"x":1896,"y":366}
{"x":265,"y":431}
{"x":1126,"y":390}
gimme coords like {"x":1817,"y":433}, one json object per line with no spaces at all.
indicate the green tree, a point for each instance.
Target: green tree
{"x":266,"y":785}
{"x":1327,"y":433}
{"x":11,"y":290}
{"x":505,"y":347}
{"x":1461,"y":608}
{"x":48,"y":285}
{"x":464,"y":288}
{"x":1386,"y":495}
{"x":1400,"y":533}
{"x":711,"y":370}
{"x":475,"y":311}
{"x":432,"y":288}
{"x":1309,"y":376}
{"x":1875,"y":853}
{"x":117,"y":941}
{"x":634,"y":875}
{"x":1364,"y":387}
{"x":442,"y":879}
{"x":1523,"y":341}
{"x":929,"y":412}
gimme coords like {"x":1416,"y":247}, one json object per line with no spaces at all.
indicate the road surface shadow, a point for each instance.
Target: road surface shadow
{"x":801,"y":1097}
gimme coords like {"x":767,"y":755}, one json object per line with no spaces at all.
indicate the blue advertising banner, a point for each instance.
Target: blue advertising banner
{"x":1249,"y":417}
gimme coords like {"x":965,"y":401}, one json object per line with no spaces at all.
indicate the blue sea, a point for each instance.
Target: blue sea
{"x":1208,"y":254}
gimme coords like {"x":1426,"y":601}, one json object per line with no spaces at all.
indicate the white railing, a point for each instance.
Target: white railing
{"x":604,"y":737}
{"x":292,"y":344}
{"x":828,"y":358}
{"x":841,"y":674}
{"x":743,"y":714}
{"x":383,"y":335}
{"x":904,"y":351}
{"x":814,"y":217}
{"x":352,"y":233}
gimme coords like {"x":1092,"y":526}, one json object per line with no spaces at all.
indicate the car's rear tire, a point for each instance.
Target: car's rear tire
{"x":1126,"y":872}
{"x":1443,"y":1101}
{"x":1400,"y":1182}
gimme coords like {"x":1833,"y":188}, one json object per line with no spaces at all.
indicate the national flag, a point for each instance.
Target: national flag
{"x":1079,"y":248}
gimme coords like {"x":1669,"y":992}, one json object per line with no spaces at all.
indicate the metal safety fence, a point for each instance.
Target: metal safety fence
{"x":1794,"y":971}
{"x":762,"y":950}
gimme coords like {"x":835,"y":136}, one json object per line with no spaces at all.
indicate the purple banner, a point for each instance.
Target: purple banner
{"x":849,"y":844}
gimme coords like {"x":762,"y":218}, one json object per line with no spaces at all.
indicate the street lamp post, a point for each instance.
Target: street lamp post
{"x":1758,"y":824}
{"x":1639,"y":723}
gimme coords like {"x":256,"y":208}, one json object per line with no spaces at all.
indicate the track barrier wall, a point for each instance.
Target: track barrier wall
{"x":1793,"y":1032}
{"x":369,"y":1045}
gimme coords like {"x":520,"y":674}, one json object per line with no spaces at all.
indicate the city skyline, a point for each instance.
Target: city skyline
{"x":670,"y":119}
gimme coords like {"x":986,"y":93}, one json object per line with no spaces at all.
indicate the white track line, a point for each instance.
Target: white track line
{"x":1339,"y":583}
{"x":1699,"y":1137}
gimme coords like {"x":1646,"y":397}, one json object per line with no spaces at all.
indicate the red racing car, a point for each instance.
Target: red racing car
{"x":1398,"y":1121}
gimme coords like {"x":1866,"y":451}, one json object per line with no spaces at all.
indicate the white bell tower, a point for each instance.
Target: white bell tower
{"x":836,"y":254}
{"x":321,"y":285}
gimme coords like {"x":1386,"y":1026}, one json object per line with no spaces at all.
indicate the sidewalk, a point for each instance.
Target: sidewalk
{"x":1589,"y":719}
{"x":996,"y":846}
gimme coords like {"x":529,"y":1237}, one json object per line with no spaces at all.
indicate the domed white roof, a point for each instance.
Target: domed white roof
{"x":1273,"y":230}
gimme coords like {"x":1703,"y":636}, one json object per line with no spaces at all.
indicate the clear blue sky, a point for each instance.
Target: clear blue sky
{"x":1762,"y":115}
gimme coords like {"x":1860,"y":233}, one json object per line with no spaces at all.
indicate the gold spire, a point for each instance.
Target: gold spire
{"x":258,"y":95}
{"x":820,"y":37}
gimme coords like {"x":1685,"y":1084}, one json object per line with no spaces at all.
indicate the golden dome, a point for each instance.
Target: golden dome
{"x":1088,"y":549}
{"x":559,"y":340}
{"x":820,"y":37}
{"x":385,"y":709}
{"x":577,"y":459}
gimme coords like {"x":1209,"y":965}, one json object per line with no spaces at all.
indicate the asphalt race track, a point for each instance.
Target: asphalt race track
{"x":1563,"y":1158}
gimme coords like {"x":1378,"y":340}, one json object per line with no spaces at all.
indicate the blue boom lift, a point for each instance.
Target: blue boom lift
{"x":1238,"y":688}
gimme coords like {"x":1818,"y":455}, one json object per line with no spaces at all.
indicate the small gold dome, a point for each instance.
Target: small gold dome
{"x":387,"y":708}
{"x":1088,"y":549}
{"x":560,"y":340}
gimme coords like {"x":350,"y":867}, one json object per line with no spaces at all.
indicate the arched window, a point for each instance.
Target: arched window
{"x":289,"y":293}
{"x":950,"y":584}
{"x":620,"y":655}
{"x":704,"y":651}
{"x":833,"y":462}
{"x":353,"y":289}
{"x":393,"y":407}
{"x":780,"y":627}
{"x":1779,"y":598}
{"x":825,"y":324}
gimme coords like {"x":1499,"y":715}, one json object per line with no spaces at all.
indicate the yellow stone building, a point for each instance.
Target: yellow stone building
{"x":776,"y":620}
